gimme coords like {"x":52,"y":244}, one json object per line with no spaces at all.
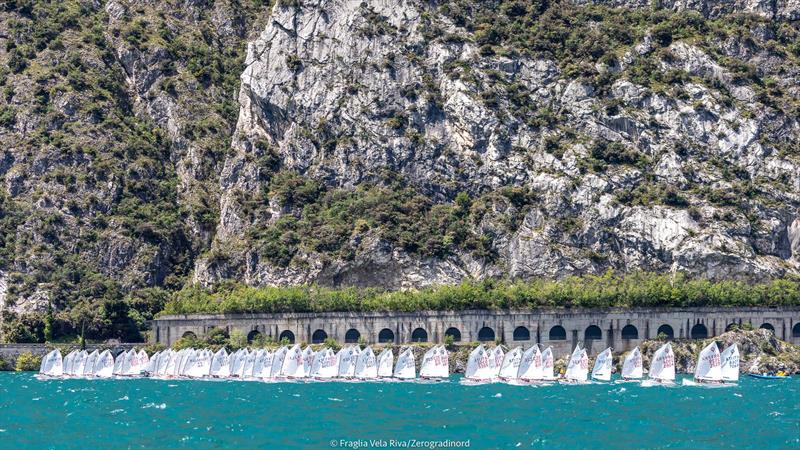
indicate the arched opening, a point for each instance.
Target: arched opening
{"x":731,"y":326}
{"x":319,"y":337}
{"x":454,"y":332}
{"x":189,"y":335}
{"x":386,"y":336}
{"x":592,"y":333}
{"x":666,"y":330}
{"x":767,"y":326}
{"x":558,"y":333}
{"x":699,"y":331}
{"x":630,"y":332}
{"x":419,"y":335}
{"x":485,"y":334}
{"x":352,"y":335}
{"x":522,"y":334}
{"x":251,"y":336}
{"x":796,"y":330}
{"x":288,"y":335}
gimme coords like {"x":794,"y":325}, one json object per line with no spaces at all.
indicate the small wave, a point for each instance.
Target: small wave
{"x":123,"y":398}
{"x":334,"y":399}
{"x":775,"y":414}
{"x":36,"y":399}
{"x":155,"y":405}
{"x":117,"y":411}
{"x":498,"y":395}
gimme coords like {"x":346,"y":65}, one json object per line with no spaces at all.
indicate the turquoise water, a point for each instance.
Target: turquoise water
{"x":144,"y":413}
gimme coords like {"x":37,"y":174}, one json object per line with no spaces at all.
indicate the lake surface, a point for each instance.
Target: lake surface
{"x":143,"y":413}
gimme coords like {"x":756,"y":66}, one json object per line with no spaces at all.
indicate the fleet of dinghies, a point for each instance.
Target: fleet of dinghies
{"x":351,"y":363}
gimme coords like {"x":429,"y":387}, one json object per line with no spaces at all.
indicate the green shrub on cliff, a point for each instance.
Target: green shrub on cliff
{"x":609,"y":290}
{"x":27,"y":362}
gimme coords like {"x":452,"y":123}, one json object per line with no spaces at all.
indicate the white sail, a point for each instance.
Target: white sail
{"x":172,"y":363}
{"x":709,"y":364}
{"x":662,"y":366}
{"x":79,"y":364}
{"x":435,"y":363}
{"x":602,"y":366}
{"x":406,"y":367}
{"x":366,"y":365}
{"x":69,"y":362}
{"x":266,"y":370}
{"x":329,"y":366}
{"x":632,"y":367}
{"x":258,"y":363}
{"x":293,"y":363}
{"x":163,"y":363}
{"x":189,"y":358}
{"x":104,"y":366}
{"x":125,"y":363}
{"x":277,"y":360}
{"x":480,"y":365}
{"x":548,"y":364}
{"x":219,"y":364}
{"x":385,"y":363}
{"x":52,"y":364}
{"x":316,"y":364}
{"x":578,"y":365}
{"x":730,"y":363}
{"x":308,"y":360}
{"x":152,"y":364}
{"x":530,"y":366}
{"x":88,"y":365}
{"x":344,"y":357}
{"x":496,"y":360}
{"x":202,"y":365}
{"x":509,"y":369}
{"x":249,"y":364}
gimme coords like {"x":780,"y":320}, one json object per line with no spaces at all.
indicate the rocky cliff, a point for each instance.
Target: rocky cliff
{"x":391,"y":143}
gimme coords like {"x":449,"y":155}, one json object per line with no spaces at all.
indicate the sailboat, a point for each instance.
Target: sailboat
{"x":52,"y":364}
{"x":435,"y":364}
{"x":509,"y":368}
{"x":249,"y":363}
{"x":277,"y":361}
{"x":104,"y":366}
{"x":328,"y":366}
{"x":266,"y":367}
{"x":88,"y":365}
{"x":347,"y":362}
{"x":201,"y":367}
{"x":730,"y":364}
{"x":530,"y":366}
{"x":548,"y":365}
{"x":69,"y":362}
{"x":366,"y":365}
{"x":292,"y":367}
{"x":496,"y":361}
{"x":79,"y":364}
{"x":632,"y":366}
{"x":479,"y":369}
{"x":577,"y":367}
{"x":662,"y":367}
{"x":150,"y":369}
{"x":219,"y":364}
{"x":709,"y":367}
{"x":385,"y":363}
{"x":602,"y":366}
{"x":163,"y":363}
{"x":308,"y":360}
{"x":406,"y":367}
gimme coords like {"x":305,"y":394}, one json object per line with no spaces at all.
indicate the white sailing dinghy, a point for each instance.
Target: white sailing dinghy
{"x":266,"y":368}
{"x":479,"y":370}
{"x":104,"y":366}
{"x":435,"y":364}
{"x":152,"y":364}
{"x":602,"y":366}
{"x":385,"y":363}
{"x":347,"y":366}
{"x":69,"y":362}
{"x":219,"y":364}
{"x":52,"y":365}
{"x":308,"y":360}
{"x":548,"y":365}
{"x":366,"y":365}
{"x":293,"y":364}
{"x":496,"y":361}
{"x":709,"y":367}
{"x":329,"y":366}
{"x":530,"y":366}
{"x":79,"y":364}
{"x":88,"y":365}
{"x":277,"y":361}
{"x":662,"y":367}
{"x":163,"y":363}
{"x":406,"y":367}
{"x":730,"y":364}
{"x":258,"y":363}
{"x":316,"y":364}
{"x":201,"y":368}
{"x":577,"y":367}
{"x":249,"y":364}
{"x":632,"y":367}
{"x":509,"y":369}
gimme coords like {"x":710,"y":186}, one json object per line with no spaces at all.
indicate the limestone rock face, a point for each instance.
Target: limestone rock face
{"x":342,"y":90}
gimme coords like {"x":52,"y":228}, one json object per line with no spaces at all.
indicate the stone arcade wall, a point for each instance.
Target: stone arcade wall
{"x":619,"y":328}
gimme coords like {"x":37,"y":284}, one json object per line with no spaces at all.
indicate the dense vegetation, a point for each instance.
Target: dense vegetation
{"x":608,"y":290}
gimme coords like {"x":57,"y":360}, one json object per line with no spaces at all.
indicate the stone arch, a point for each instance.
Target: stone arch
{"x":455,"y":332}
{"x":352,"y":336}
{"x":386,"y":336}
{"x":767,"y":326}
{"x":288,"y":335}
{"x":630,"y":332}
{"x":558,"y":333}
{"x":319,"y":336}
{"x":667,"y":331}
{"x":189,"y":335}
{"x":252,"y":335}
{"x":522,"y":334}
{"x":699,"y":331}
{"x":419,"y":335}
{"x":592,"y":333}
{"x":796,"y":330}
{"x":485,"y":334}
